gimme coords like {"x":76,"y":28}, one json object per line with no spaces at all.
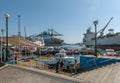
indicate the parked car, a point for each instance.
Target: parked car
{"x":118,"y":53}
{"x":110,"y":52}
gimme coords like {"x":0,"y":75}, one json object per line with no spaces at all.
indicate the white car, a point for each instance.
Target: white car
{"x":110,"y":52}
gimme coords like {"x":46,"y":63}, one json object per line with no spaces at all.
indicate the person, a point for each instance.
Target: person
{"x":15,"y":59}
{"x":75,"y":65}
{"x":4,"y":54}
{"x":57,"y":66}
{"x":61,"y":65}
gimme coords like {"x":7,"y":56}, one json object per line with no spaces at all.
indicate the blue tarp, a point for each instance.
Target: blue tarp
{"x":93,"y":62}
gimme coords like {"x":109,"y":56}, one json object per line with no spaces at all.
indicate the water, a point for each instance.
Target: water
{"x":87,"y":61}
{"x":72,"y":46}
{"x":76,"y":56}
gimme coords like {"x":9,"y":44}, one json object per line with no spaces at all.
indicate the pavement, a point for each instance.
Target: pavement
{"x":3,"y":65}
{"x":14,"y":74}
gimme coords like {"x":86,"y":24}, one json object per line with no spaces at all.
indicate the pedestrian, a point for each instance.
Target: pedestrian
{"x":4,"y":54}
{"x":61,"y":65}
{"x":75,"y":65}
{"x":15,"y":59}
{"x":57,"y":66}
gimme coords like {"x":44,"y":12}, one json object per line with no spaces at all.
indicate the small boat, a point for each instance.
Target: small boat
{"x":76,"y":51}
{"x":69,"y":51}
{"x":62,"y":56}
{"x":67,"y":60}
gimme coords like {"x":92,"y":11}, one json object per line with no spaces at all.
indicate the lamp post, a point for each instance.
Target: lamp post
{"x":95,"y":24}
{"x":2,"y":30}
{"x":19,"y":33}
{"x":7,"y":16}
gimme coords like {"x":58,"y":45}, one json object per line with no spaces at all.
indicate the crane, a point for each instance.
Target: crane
{"x":102,"y":30}
{"x":54,"y":33}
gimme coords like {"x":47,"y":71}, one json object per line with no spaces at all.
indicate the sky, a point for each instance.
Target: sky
{"x":69,"y":17}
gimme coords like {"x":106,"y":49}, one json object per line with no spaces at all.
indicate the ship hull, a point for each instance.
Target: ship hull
{"x":106,"y":42}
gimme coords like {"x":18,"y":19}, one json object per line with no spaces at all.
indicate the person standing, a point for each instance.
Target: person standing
{"x":75,"y":65}
{"x":61,"y":65}
{"x":15,"y":59}
{"x":4,"y":54}
{"x":57,"y":66}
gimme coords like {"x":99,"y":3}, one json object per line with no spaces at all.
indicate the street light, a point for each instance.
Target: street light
{"x":95,"y":24}
{"x":7,"y":16}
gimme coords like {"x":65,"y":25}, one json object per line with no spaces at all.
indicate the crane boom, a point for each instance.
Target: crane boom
{"x":102,"y":30}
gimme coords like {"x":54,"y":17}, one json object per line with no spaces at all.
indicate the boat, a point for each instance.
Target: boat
{"x":67,"y":60}
{"x":109,"y":40}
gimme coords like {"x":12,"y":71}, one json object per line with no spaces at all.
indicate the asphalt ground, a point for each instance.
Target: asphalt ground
{"x":3,"y":65}
{"x":11,"y":74}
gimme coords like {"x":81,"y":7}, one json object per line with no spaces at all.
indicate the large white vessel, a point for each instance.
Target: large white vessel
{"x":110,"y":39}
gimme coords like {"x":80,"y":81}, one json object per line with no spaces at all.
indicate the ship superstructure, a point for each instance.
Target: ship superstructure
{"x":109,"y":39}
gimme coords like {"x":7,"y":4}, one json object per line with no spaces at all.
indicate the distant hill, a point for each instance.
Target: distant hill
{"x":77,"y":43}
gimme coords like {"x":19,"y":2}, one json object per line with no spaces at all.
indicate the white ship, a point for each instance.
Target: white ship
{"x":110,"y":39}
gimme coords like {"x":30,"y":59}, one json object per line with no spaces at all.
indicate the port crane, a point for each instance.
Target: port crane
{"x":49,"y":32}
{"x":49,"y":37}
{"x":102,"y":30}
{"x":54,"y":33}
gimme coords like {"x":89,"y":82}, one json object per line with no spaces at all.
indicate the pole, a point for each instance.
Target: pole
{"x":2,"y":30}
{"x":7,"y":16}
{"x":95,"y":41}
{"x":6,"y":39}
{"x":1,"y":47}
{"x":39,"y":53}
{"x":19,"y":32}
{"x":25,"y":32}
{"x":95,"y":23}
